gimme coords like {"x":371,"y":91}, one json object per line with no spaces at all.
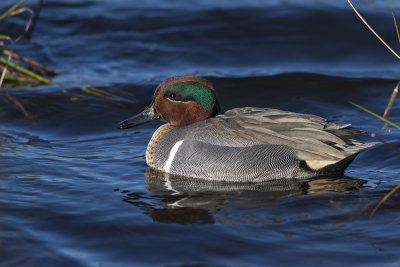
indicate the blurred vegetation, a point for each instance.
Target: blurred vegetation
{"x":17,"y":70}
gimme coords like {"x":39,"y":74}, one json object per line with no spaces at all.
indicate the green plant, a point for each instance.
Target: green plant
{"x":13,"y":72}
{"x":391,"y":101}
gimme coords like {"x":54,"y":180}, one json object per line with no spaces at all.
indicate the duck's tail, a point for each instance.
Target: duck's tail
{"x":340,"y":166}
{"x":330,"y":167}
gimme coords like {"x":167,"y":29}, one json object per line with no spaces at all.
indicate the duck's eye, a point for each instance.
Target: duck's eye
{"x":172,"y":95}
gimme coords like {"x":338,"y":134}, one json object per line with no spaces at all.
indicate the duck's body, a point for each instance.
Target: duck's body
{"x":243,"y":144}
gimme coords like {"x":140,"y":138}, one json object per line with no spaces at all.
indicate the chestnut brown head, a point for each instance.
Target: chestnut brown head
{"x":179,"y":100}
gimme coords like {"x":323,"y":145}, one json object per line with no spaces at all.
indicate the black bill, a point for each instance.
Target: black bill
{"x":147,"y":115}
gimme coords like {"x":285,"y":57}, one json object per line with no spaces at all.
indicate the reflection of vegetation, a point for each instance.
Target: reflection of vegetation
{"x":22,"y":71}
{"x":387,"y":110}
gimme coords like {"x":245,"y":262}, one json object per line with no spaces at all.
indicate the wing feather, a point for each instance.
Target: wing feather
{"x":311,"y":136}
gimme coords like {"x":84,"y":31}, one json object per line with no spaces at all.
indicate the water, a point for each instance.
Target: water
{"x":75,"y":191}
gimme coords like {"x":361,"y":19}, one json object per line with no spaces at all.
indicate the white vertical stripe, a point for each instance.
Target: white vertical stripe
{"x":172,"y":154}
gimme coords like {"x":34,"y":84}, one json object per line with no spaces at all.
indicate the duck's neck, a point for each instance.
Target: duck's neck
{"x":155,"y":139}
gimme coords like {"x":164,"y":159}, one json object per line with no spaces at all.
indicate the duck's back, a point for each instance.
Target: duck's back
{"x":255,"y":144}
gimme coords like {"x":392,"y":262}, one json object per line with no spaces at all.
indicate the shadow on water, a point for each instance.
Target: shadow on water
{"x":189,"y":201}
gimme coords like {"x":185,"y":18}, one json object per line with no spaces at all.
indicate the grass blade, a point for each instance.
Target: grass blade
{"x":5,"y":37}
{"x":25,"y":71}
{"x":383,"y":200}
{"x":11,"y":10}
{"x":97,"y":92}
{"x":397,"y":29}
{"x":21,"y":80}
{"x":376,"y":115}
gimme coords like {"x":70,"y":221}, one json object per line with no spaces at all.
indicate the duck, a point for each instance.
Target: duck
{"x":246,"y":144}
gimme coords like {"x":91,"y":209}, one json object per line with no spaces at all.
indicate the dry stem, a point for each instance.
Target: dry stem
{"x":373,"y":135}
{"x":30,"y":62}
{"x":389,"y":105}
{"x":372,"y":30}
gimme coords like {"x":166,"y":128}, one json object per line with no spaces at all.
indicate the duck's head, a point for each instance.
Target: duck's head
{"x":180,"y":100}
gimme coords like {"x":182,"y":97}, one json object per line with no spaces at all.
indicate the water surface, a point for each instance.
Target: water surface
{"x":75,"y":191}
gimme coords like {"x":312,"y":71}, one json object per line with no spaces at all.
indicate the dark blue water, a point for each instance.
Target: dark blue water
{"x":75,"y":191}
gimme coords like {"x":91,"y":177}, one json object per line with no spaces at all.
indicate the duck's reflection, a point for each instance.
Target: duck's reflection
{"x":188,"y":200}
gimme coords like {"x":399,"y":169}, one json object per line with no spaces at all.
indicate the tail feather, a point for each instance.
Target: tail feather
{"x":338,"y":167}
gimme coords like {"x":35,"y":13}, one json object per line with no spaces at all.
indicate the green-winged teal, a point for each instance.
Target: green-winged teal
{"x":244,"y":144}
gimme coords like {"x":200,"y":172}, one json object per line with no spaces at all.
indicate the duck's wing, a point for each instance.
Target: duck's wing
{"x":312,"y":137}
